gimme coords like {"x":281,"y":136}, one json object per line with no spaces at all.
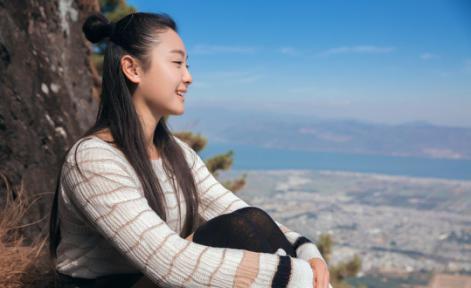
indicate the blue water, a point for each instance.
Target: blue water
{"x":250,"y":157}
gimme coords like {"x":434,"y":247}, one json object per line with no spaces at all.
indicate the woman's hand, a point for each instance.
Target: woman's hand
{"x":321,"y":273}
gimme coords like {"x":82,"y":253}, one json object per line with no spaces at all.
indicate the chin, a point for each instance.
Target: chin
{"x":178,"y":111}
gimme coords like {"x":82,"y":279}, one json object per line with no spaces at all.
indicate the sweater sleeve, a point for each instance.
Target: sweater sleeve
{"x":217,"y":200}
{"x":108,"y":195}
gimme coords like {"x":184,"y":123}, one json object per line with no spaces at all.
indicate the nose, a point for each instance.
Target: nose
{"x":187,"y":77}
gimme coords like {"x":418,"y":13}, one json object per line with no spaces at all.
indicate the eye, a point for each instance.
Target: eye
{"x":180,"y":63}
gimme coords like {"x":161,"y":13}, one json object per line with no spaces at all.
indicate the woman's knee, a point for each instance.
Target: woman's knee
{"x":256,"y":214}
{"x":235,"y":222}
{"x":240,"y":220}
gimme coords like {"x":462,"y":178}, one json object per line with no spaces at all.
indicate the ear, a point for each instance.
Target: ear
{"x":131,"y":68}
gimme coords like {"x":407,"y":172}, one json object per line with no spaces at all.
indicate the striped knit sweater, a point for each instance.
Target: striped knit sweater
{"x":108,"y":227}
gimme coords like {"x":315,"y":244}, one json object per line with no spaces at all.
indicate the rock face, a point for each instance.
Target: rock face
{"x":46,"y":88}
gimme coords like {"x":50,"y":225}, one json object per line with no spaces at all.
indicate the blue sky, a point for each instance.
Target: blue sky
{"x":381,"y":61}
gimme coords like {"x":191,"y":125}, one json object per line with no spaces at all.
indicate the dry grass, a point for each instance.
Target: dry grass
{"x":23,"y":262}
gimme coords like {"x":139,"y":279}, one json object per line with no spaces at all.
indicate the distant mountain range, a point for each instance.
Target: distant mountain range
{"x":310,"y":133}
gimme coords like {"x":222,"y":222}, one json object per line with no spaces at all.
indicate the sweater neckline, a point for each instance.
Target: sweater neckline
{"x":153,"y":161}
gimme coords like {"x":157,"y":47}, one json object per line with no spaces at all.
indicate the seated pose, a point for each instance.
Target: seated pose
{"x":135,"y":206}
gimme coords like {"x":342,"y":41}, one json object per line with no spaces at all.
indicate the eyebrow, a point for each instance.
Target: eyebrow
{"x":179,"y":51}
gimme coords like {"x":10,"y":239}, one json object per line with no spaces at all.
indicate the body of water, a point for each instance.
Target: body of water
{"x":250,"y":157}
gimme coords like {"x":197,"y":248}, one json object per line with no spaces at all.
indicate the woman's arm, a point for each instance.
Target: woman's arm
{"x":217,"y":200}
{"x":110,"y":198}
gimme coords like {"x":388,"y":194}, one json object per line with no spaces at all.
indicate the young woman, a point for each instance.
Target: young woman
{"x":130,"y":194}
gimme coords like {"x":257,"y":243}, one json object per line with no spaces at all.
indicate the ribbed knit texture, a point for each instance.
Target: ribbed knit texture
{"x":108,"y":227}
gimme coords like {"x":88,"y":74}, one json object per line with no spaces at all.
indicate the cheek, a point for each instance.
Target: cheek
{"x":159,"y":84}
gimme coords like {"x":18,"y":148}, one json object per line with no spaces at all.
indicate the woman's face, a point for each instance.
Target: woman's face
{"x":167,"y":77}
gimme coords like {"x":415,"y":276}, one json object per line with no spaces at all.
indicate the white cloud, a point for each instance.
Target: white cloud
{"x":303,"y":90}
{"x":212,"y":49}
{"x":212,"y":78}
{"x":359,"y":49}
{"x":428,"y":56}
{"x":288,"y":51}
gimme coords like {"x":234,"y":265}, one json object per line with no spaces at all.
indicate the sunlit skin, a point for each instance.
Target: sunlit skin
{"x":321,"y":273}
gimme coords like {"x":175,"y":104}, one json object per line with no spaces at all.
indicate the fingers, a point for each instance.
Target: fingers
{"x":318,"y":277}
{"x":321,"y":274}
{"x":326,"y":278}
{"x":315,"y":276}
{"x":322,"y":277}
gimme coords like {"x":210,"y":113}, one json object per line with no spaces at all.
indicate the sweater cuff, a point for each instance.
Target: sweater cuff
{"x":309,"y":250}
{"x":306,"y":249}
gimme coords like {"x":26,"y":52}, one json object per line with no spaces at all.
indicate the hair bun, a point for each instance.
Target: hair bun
{"x":97,"y":27}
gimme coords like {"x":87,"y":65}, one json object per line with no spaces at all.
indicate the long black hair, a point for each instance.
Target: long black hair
{"x":133,"y":35}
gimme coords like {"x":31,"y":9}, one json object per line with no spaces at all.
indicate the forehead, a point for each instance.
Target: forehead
{"x":170,"y":43}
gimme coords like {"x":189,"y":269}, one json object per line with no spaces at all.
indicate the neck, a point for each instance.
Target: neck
{"x":149,"y":120}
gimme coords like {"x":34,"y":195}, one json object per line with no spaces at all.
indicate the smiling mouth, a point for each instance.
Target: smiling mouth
{"x":181,"y":96}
